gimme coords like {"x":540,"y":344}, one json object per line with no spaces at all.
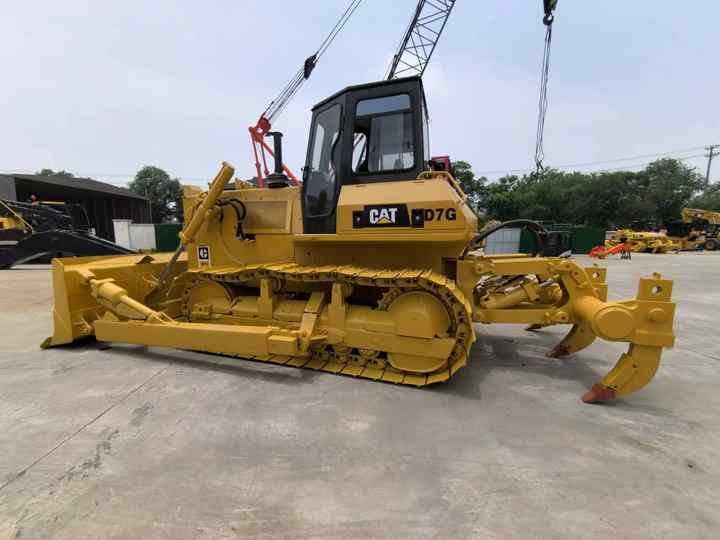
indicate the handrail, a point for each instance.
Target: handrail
{"x":429,"y":175}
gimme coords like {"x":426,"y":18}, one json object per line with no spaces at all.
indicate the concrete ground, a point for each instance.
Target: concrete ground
{"x":134,"y":443}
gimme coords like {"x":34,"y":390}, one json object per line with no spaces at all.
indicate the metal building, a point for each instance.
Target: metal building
{"x":103,"y":202}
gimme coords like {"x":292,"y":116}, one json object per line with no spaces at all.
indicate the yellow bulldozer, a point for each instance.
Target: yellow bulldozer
{"x":372,"y":268}
{"x":644,"y":241}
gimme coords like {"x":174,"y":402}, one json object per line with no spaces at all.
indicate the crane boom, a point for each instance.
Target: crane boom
{"x":420,"y":38}
{"x":262,"y":127}
{"x":411,"y":58}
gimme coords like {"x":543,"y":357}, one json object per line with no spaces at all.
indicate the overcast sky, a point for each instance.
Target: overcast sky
{"x":101,"y":88}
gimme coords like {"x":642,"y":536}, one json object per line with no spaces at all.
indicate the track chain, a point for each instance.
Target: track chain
{"x":362,"y":364}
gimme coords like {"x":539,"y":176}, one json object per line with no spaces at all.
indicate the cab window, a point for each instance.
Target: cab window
{"x":383,"y":135}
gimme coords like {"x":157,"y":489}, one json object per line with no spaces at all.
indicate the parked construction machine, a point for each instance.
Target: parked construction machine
{"x":602,"y":252}
{"x":12,"y":227}
{"x":698,"y":229}
{"x":39,"y":231}
{"x":642,"y":241}
{"x":371,"y":268}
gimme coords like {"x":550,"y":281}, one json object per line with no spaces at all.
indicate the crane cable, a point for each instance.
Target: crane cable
{"x":278,"y":105}
{"x":548,"y":20}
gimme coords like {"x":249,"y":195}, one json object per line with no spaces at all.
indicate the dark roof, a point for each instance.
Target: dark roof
{"x":87,"y":184}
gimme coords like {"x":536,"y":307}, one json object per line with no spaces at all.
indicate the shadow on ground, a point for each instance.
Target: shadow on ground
{"x":518,"y":353}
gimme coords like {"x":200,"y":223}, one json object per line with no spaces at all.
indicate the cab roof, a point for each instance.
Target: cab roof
{"x":366,"y":86}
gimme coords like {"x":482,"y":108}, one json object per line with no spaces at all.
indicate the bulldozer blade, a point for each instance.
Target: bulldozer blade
{"x":579,"y":337}
{"x":634,"y":370}
{"x":74,"y":308}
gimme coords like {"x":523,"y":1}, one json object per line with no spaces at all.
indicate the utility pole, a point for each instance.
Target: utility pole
{"x":147,"y":196}
{"x":713,"y":150}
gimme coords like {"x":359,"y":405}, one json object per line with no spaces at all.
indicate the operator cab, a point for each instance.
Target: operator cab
{"x":364,"y":134}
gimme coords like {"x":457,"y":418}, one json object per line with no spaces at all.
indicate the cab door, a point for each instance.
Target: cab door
{"x":320,"y":178}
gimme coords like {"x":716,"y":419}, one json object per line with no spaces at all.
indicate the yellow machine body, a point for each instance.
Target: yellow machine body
{"x":8,"y":223}
{"x":689,"y":215}
{"x":396,"y":304}
{"x":12,"y":220}
{"x":644,"y":241}
{"x":701,"y":231}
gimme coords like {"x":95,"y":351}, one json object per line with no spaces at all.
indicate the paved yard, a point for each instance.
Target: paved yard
{"x":135,"y":443}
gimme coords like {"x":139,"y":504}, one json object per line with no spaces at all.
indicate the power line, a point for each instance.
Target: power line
{"x":614,"y":169}
{"x":631,"y":158}
{"x":646,"y":163}
{"x":672,"y":153}
{"x":627,"y":167}
{"x":592,"y":163}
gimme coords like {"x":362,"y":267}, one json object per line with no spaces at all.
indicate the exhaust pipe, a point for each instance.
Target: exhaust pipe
{"x":278,"y":178}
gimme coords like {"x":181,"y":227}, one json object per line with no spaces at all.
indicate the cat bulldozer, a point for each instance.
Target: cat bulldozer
{"x":372,"y":268}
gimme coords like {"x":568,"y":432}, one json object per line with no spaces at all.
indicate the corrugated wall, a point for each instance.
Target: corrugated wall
{"x":166,"y":236}
{"x":503,"y":241}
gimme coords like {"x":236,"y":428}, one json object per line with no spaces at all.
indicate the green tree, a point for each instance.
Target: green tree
{"x":165,"y":193}
{"x":610,"y":200}
{"x":50,"y":172}
{"x":709,"y":199}
{"x":668,"y":184}
{"x":502,"y":199}
{"x":472,"y":186}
